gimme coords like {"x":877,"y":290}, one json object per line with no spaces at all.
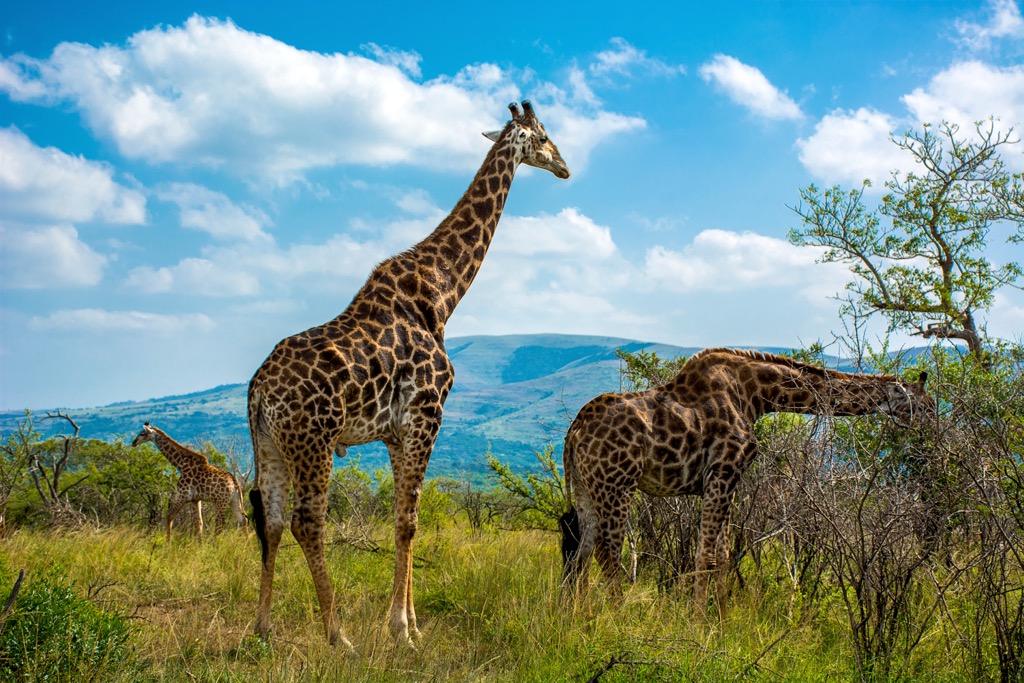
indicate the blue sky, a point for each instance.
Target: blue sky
{"x":184,"y":184}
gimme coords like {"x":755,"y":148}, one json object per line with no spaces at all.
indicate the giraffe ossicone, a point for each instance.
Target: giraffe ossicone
{"x":377,"y":372}
{"x":198,"y":481}
{"x":695,"y":436}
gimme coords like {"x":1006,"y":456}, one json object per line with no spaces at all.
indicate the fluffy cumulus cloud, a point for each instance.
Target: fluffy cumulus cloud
{"x":194,"y":276}
{"x":747,"y":86}
{"x":549,"y":272}
{"x":971,"y":91}
{"x":95,"y":320}
{"x":1005,"y":21}
{"x":567,"y":233}
{"x":851,"y":146}
{"x":214,"y":213}
{"x":45,"y":184}
{"x":725,"y":261}
{"x":211,"y":93}
{"x":47,"y":257}
{"x":247,"y":269}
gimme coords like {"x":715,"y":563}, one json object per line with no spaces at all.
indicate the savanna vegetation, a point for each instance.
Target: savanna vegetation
{"x":860,"y":549}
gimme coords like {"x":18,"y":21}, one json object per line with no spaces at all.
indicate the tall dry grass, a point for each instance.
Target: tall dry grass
{"x":489,"y":606}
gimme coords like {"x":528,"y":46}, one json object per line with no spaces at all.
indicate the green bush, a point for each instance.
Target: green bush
{"x":52,"y":634}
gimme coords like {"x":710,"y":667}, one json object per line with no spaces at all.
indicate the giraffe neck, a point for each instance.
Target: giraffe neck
{"x":809,"y":389}
{"x":179,"y":456}
{"x":446,"y":262}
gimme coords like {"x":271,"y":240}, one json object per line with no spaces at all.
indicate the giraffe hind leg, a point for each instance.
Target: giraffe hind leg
{"x":268,"y":499}
{"x":308,"y":517}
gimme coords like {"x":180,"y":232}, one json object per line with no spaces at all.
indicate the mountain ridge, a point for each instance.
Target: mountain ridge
{"x":513,"y":394}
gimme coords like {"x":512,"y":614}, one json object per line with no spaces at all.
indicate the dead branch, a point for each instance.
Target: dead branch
{"x":10,"y":599}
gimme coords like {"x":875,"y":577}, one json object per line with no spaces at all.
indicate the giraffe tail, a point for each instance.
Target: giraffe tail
{"x":259,"y":520}
{"x":569,"y":522}
{"x":257,"y":426}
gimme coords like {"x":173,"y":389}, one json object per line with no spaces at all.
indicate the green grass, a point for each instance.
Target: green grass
{"x":488,"y":604}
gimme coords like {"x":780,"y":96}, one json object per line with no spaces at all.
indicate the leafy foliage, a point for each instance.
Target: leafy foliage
{"x":918,"y":257}
{"x":52,"y":634}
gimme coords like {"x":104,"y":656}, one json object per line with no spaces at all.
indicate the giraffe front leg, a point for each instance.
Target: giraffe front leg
{"x":610,"y":535}
{"x":409,"y":468}
{"x":199,"y":519}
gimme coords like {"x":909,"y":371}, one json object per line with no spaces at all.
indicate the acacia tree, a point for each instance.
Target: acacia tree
{"x":918,"y":257}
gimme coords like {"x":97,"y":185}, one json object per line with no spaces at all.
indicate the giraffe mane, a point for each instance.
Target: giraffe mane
{"x":787,"y":362}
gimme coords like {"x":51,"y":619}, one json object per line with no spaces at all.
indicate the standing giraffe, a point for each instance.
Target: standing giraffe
{"x":199,"y":481}
{"x":695,"y":435}
{"x":377,"y":372}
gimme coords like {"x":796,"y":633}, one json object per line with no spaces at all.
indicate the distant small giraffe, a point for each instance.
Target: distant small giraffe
{"x":695,"y":435}
{"x":377,"y":372}
{"x":199,"y":481}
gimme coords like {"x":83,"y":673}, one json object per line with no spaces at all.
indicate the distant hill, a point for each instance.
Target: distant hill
{"x":512,"y":394}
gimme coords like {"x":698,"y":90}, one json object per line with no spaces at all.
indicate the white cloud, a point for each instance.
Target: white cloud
{"x":45,"y":184}
{"x":547,"y":273}
{"x":971,"y":91}
{"x":725,"y":261}
{"x":747,"y":86}
{"x":624,"y":59}
{"x":214,"y":213}
{"x":851,"y":146}
{"x":47,"y":257}
{"x":1004,"y":22}
{"x":213,"y":94}
{"x":409,"y":62}
{"x":568,"y":233}
{"x":98,"y":320}
{"x":198,"y":276}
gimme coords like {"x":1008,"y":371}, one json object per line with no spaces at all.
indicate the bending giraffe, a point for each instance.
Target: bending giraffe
{"x":377,"y":372}
{"x":695,"y":435}
{"x":198,"y":481}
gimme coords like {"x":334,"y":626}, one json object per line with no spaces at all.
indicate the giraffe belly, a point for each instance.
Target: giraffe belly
{"x":666,"y":475}
{"x":664,"y":484}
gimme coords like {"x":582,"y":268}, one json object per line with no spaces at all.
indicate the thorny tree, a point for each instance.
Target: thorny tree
{"x":918,"y":258}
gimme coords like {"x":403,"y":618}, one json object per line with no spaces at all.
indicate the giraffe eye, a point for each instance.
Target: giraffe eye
{"x":543,"y":139}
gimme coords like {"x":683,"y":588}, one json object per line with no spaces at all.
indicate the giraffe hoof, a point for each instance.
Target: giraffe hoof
{"x":343,"y":644}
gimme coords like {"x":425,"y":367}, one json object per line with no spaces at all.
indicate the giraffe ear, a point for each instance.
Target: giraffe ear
{"x":493,"y":135}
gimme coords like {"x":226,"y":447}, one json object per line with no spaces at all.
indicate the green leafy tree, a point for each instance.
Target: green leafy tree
{"x":537,"y":494}
{"x":124,"y":484}
{"x":918,"y":258}
{"x":644,"y":370}
{"x":15,"y":455}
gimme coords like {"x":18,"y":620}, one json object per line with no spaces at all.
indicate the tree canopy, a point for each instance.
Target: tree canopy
{"x":918,"y":258}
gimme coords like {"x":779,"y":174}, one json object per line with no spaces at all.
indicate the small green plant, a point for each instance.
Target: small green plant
{"x":52,"y":634}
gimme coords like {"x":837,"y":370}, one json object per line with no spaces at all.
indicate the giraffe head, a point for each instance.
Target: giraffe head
{"x":908,"y":402}
{"x":530,"y":142}
{"x":147,"y":434}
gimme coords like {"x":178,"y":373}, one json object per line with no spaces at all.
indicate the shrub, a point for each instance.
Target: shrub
{"x":52,"y":634}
